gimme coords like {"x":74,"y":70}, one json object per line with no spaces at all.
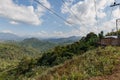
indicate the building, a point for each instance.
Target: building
{"x":110,"y":40}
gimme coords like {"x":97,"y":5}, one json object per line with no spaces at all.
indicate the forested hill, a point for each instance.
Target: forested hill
{"x":33,"y":67}
{"x":37,"y":44}
{"x":44,"y":45}
{"x":67,"y":40}
{"x":14,"y":51}
{"x":78,"y":61}
{"x":11,"y":54}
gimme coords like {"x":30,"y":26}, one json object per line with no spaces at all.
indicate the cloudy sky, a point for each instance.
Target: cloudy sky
{"x":27,"y":18}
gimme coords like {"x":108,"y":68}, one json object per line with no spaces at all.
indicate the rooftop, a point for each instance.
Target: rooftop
{"x":111,"y":37}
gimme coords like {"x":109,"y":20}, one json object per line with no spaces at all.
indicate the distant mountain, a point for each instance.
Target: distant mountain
{"x":13,"y":37}
{"x":9,"y":36}
{"x":37,"y":44}
{"x":64,"y":40}
{"x":46,"y":44}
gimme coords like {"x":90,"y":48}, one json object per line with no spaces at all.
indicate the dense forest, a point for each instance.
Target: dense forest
{"x":77,"y":61}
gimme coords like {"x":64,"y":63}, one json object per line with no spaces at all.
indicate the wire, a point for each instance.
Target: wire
{"x":55,"y":14}
{"x":52,"y":11}
{"x":71,"y":11}
{"x":119,"y":10}
{"x":77,"y":16}
{"x":96,"y":11}
{"x":74,"y":14}
{"x":111,"y":13}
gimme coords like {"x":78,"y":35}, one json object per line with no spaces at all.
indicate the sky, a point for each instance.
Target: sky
{"x":28,"y":18}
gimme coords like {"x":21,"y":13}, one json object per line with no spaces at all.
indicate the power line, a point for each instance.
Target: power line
{"x":55,"y":13}
{"x":96,"y":11}
{"x":52,"y":11}
{"x":111,"y":13}
{"x":78,"y":17}
{"x":119,"y":10}
{"x":113,"y":5}
{"x":74,"y":14}
{"x":70,"y":10}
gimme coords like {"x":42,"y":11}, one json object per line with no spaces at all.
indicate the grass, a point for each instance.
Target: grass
{"x":98,"y":62}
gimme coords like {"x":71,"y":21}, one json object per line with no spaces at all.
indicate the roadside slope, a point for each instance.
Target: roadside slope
{"x":98,"y":62}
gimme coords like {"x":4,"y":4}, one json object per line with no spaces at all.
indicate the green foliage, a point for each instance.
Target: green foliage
{"x":88,"y":63}
{"x":101,"y":35}
{"x":13,"y":51}
{"x":60,"y":54}
{"x":114,"y":33}
{"x":98,"y":62}
{"x":10,"y":56}
{"x":35,"y":43}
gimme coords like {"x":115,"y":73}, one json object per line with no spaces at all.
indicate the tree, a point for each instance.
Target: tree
{"x":101,"y":35}
{"x":91,"y":39}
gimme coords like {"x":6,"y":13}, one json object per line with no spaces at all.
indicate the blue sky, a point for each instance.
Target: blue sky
{"x":15,"y":17}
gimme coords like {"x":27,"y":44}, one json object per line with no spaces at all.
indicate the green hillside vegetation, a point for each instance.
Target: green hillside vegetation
{"x":113,"y":33}
{"x":35,"y":43}
{"x":12,"y":51}
{"x":29,"y":67}
{"x":61,"y":54}
{"x":11,"y":54}
{"x":80,"y":60}
{"x":98,"y":62}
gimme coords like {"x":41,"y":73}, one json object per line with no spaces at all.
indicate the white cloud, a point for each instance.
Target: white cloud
{"x":116,"y":13}
{"x":85,"y":15}
{"x":21,"y":13}
{"x":57,"y":34}
{"x":13,"y":22}
{"x":7,"y":31}
{"x":45,"y":34}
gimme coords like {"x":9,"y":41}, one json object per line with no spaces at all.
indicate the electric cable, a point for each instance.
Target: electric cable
{"x":74,"y":14}
{"x":52,"y":11}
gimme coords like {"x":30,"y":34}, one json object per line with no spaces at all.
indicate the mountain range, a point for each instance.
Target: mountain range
{"x":9,"y":36}
{"x":14,"y":37}
{"x":66,"y":40}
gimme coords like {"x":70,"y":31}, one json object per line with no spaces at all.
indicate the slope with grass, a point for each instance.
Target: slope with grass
{"x":31,"y":67}
{"x":78,"y":61}
{"x":98,"y":62}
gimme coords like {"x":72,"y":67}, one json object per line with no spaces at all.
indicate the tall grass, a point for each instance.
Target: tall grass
{"x":98,"y":62}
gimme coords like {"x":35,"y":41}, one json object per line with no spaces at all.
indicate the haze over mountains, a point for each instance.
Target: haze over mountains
{"x":10,"y":36}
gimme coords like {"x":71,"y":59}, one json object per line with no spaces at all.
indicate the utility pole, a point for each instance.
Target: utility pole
{"x":117,"y":20}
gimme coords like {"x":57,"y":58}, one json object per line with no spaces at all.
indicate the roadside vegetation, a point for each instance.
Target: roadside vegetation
{"x":80,"y":60}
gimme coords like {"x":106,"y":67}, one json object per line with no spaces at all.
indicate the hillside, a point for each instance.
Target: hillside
{"x":14,"y":51}
{"x":78,"y":61}
{"x":29,"y":68}
{"x":37,"y":44}
{"x":11,"y":54}
{"x":101,"y":62}
{"x":67,"y":40}
{"x":47,"y":44}
{"x":98,"y":62}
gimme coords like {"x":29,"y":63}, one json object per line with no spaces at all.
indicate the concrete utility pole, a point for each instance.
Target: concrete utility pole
{"x":117,"y":20}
